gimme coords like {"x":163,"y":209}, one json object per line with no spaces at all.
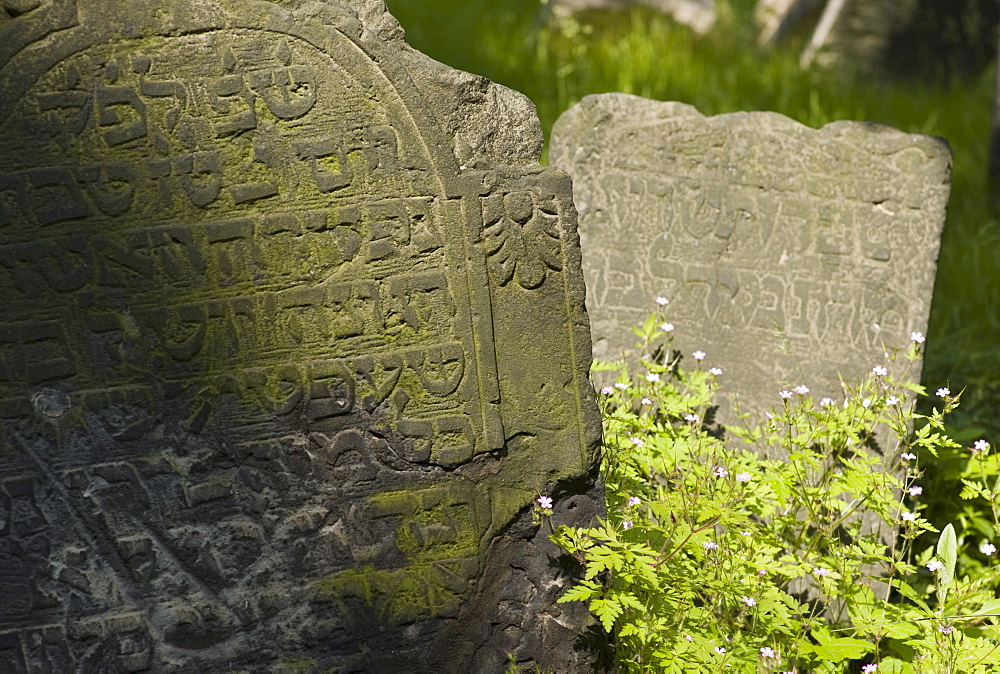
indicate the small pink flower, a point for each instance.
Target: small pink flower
{"x":652,"y":377}
{"x":908,"y":517}
{"x":908,"y":456}
{"x":892,"y":401}
{"x":946,"y":629}
{"x":916,"y":490}
{"x":626,"y":525}
{"x":987,"y":548}
{"x":636,"y":441}
{"x":880,"y":371}
{"x":819,"y":572}
{"x":802,"y":389}
{"x":667,"y":327}
{"x":869,"y":668}
{"x":607,"y":390}
{"x":720,"y":471}
{"x":544,"y":502}
{"x":742,"y":477}
{"x":785,"y":395}
{"x":943,"y":392}
{"x":646,"y":401}
{"x":917,"y":337}
{"x":980,"y":446}
{"x":720,"y":650}
{"x":768,"y":652}
{"x":662,"y":301}
{"x":709,"y":545}
{"x":633,"y":501}
{"x":749,"y":601}
{"x":698,"y":355}
{"x":621,"y":386}
{"x":826,"y":402}
{"x":693,"y":418}
{"x":715,"y":371}
{"x":935,"y":565}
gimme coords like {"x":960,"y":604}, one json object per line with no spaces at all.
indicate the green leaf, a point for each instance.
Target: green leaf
{"x":947,"y":549}
{"x":894,"y":666}
{"x":911,"y":594}
{"x":628,"y":599}
{"x":990,"y":607}
{"x":607,"y":611}
{"x":845,"y":648}
{"x":900,"y":630}
{"x":581,"y":592}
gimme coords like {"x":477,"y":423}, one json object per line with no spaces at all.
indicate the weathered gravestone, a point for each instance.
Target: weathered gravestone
{"x":293,"y":335}
{"x":751,"y":223}
{"x":699,"y":15}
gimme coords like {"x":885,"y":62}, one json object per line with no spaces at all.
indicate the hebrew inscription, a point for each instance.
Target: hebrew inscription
{"x":253,"y":407}
{"x":789,"y":255}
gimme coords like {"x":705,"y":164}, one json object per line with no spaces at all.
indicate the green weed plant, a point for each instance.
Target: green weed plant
{"x":791,"y":544}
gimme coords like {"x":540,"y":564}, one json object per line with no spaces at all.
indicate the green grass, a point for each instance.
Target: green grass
{"x":643,"y":53}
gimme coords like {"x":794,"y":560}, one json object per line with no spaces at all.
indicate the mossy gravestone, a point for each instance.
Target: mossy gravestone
{"x":790,"y":256}
{"x":293,"y":336}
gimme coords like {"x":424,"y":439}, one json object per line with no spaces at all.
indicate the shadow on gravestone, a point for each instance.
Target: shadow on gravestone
{"x":790,"y":255}
{"x":294,"y":334}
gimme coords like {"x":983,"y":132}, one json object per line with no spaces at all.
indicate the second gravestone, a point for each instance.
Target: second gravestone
{"x":293,"y":337}
{"x":790,"y":255}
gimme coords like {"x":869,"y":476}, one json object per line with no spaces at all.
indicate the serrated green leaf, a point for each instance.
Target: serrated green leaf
{"x":911,"y":594}
{"x":837,"y":650}
{"x":628,"y":599}
{"x":969,"y":491}
{"x":629,"y":630}
{"x":607,"y":611}
{"x":581,"y":592}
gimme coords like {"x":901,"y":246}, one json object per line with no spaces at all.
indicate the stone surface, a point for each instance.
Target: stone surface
{"x":698,"y":14}
{"x":753,"y":224}
{"x":294,"y":333}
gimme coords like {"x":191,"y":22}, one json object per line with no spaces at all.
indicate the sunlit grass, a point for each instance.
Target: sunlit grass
{"x":643,"y":53}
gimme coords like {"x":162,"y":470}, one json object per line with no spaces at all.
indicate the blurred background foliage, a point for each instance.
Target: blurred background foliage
{"x":938,"y":79}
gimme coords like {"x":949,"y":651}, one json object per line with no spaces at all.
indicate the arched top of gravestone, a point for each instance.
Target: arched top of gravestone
{"x":486,"y":123}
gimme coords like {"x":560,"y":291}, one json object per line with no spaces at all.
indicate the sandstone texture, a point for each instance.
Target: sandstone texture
{"x":790,"y":255}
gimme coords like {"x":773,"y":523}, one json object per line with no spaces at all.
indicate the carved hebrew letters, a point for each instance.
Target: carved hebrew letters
{"x":789,"y":255}
{"x":250,"y":380}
